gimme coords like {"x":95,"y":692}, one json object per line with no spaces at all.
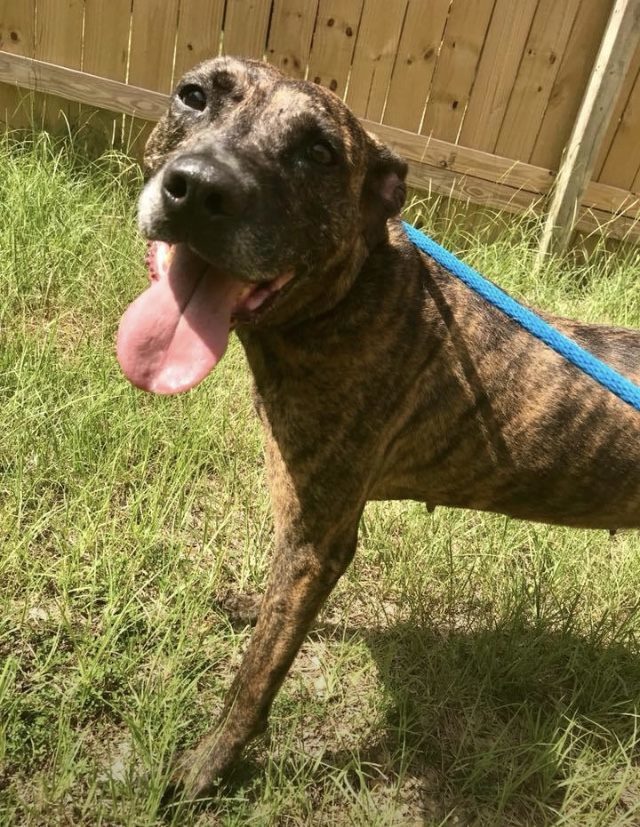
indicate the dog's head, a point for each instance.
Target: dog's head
{"x":258,"y":188}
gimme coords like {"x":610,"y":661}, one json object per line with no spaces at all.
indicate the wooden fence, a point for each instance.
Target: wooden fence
{"x":481,"y":96}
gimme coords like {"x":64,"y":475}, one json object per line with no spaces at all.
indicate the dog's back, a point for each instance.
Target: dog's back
{"x":503,"y":423}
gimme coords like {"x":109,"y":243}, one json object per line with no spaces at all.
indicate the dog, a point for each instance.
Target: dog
{"x":270,"y":211}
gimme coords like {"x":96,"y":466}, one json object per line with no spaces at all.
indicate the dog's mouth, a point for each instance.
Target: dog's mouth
{"x":173,"y":335}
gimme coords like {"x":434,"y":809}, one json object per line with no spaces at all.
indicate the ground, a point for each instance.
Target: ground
{"x":469,"y":669}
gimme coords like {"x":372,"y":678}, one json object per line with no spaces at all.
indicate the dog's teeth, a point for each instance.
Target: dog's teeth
{"x":257,"y":298}
{"x":282,"y":280}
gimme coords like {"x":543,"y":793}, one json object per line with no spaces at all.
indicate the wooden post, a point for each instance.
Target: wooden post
{"x":620,"y":40}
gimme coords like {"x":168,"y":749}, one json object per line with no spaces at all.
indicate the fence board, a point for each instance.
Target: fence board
{"x":495,"y":75}
{"x":106,"y":38}
{"x":58,"y":39}
{"x":571,"y":82}
{"x":602,"y":197}
{"x":245,"y":28}
{"x":541,"y":58}
{"x":616,"y":52}
{"x":463,"y":160}
{"x":106,"y":49}
{"x":374,"y":56}
{"x":497,"y":70}
{"x":635,"y":186}
{"x":623,"y":158}
{"x":334,"y":43}
{"x":465,"y":187}
{"x":618,"y":112}
{"x":290,"y":35}
{"x":199,"y":30}
{"x":153,"y":37}
{"x":613,"y":226}
{"x":455,"y":71}
{"x":415,"y":63}
{"x":477,"y":164}
{"x":74,"y":85}
{"x":17,"y":36}
{"x":436,"y":165}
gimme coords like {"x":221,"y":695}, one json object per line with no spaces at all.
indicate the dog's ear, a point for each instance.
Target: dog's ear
{"x":383,"y":192}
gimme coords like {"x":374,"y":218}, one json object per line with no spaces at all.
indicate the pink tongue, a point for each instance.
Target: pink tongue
{"x":177,"y":331}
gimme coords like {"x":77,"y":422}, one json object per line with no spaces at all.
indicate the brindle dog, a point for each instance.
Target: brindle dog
{"x":377,"y":374}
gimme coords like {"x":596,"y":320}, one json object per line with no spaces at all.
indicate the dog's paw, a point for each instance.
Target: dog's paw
{"x":198,"y":773}
{"x":240,"y":607}
{"x":194,"y":777}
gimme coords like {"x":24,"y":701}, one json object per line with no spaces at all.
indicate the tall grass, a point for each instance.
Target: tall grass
{"x":469,"y":669}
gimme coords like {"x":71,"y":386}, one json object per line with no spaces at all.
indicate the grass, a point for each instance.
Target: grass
{"x":468,"y":669}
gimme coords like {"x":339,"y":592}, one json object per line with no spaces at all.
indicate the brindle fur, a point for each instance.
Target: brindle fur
{"x":377,"y":374}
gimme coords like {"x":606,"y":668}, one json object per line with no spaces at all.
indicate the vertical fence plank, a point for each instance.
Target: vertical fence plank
{"x":415,"y":63}
{"x":290,"y":35}
{"x":106,"y":38}
{"x":199,"y":30}
{"x":543,"y":52}
{"x":334,"y":43}
{"x":153,"y":36}
{"x":620,"y":41}
{"x":456,"y":68}
{"x":497,"y":70}
{"x":623,"y":158}
{"x":245,"y":28}
{"x":17,"y":35}
{"x":106,"y":50}
{"x":571,"y":82}
{"x":635,"y":186}
{"x":618,"y":113}
{"x":58,"y":39}
{"x":374,"y":56}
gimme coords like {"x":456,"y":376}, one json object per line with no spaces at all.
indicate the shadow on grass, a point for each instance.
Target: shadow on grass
{"x":501,"y":726}
{"x":505,"y":724}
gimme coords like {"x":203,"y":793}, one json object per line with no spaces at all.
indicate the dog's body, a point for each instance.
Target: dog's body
{"x":377,"y":374}
{"x":415,"y":388}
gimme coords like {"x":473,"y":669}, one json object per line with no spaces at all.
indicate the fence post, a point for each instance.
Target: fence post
{"x":618,"y":45}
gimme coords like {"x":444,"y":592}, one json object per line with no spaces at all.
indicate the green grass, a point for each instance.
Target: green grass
{"x":469,"y":669}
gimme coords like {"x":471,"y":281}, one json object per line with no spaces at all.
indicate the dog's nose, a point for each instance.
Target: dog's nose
{"x":194,"y":187}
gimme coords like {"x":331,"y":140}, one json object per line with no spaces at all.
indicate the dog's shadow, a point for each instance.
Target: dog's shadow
{"x":494,"y":722}
{"x":490,"y":725}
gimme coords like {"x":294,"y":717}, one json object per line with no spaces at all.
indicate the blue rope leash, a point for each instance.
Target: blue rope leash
{"x":622,"y":387}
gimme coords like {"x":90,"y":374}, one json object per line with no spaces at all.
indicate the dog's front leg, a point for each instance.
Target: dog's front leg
{"x":302,"y":576}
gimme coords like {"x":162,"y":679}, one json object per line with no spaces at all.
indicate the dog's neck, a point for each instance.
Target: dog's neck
{"x":341,"y":308}
{"x":316,"y":303}
{"x":319,"y":292}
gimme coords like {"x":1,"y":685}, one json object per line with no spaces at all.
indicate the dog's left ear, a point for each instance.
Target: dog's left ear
{"x":383,"y":192}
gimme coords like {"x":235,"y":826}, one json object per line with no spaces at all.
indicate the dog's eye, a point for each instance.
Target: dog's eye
{"x":193,"y":96}
{"x":321,"y":153}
